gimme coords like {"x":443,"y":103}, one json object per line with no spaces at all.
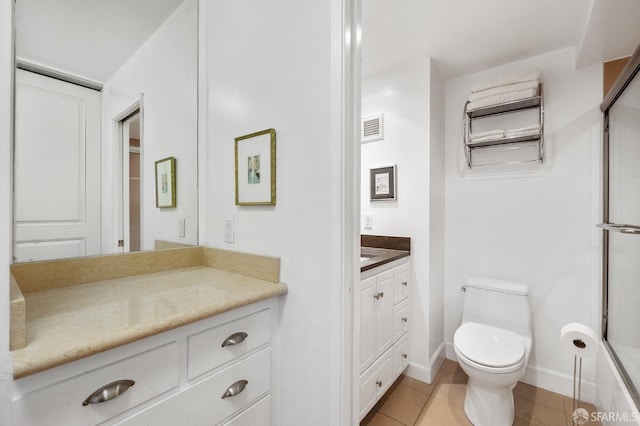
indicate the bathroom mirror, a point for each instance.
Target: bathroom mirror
{"x":104,"y":90}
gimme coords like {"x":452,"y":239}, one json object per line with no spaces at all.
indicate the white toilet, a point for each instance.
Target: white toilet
{"x":492,"y":345}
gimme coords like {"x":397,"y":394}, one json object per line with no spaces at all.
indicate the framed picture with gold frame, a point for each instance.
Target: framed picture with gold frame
{"x":166,"y":183}
{"x":255,"y":156}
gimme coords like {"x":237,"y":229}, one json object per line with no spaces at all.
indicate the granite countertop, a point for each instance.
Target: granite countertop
{"x":379,"y":256}
{"x":67,"y":323}
{"x":381,"y":249}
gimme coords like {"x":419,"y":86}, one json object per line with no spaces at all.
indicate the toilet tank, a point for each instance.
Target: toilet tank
{"x":502,"y":304}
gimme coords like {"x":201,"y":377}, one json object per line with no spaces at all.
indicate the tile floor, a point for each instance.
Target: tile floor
{"x":411,"y":402}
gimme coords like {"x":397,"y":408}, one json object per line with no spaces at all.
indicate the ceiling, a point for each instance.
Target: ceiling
{"x":91,"y":39}
{"x":466,"y":36}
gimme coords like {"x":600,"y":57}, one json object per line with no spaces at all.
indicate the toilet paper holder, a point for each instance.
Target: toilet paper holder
{"x":582,"y":342}
{"x":578,"y":343}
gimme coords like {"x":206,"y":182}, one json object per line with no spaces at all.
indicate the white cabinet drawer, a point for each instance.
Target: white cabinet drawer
{"x":154,"y":372}
{"x":259,"y":414}
{"x":401,"y":355}
{"x":401,"y":283}
{"x":202,"y":403}
{"x":206,"y":351}
{"x":401,"y":319}
{"x":375,"y":381}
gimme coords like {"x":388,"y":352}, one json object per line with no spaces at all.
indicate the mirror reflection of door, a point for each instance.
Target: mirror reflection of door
{"x":126,"y":49}
{"x":132,"y":182}
{"x":57,"y":169}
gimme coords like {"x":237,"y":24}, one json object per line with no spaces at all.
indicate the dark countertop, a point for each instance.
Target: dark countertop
{"x":379,"y":256}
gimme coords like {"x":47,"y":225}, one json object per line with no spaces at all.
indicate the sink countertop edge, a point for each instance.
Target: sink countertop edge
{"x":182,"y":296}
{"x":379,"y":256}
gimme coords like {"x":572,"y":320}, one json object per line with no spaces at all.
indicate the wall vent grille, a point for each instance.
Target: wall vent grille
{"x":372,"y":128}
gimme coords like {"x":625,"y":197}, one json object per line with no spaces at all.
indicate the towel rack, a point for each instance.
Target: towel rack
{"x":503,"y":108}
{"x":624,"y":229}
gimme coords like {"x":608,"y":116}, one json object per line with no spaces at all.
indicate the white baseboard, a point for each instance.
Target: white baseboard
{"x":451,"y":354}
{"x":436,"y":361}
{"x":550,"y":380}
{"x":558,"y":382}
{"x":424,"y":373}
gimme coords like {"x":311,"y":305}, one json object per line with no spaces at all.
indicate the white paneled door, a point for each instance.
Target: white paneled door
{"x":57,"y":169}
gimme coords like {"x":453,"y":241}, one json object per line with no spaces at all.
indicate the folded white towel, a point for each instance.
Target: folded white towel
{"x":535,"y":127}
{"x":524,"y":131}
{"x":502,"y":98}
{"x":522,"y":134}
{"x":486,"y":138}
{"x":507,"y":79}
{"x":491,"y":134}
{"x":515,"y":87}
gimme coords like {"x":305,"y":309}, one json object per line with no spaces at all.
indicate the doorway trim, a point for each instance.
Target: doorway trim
{"x":25,"y":65}
{"x":349,"y":79}
{"x":117,"y":227}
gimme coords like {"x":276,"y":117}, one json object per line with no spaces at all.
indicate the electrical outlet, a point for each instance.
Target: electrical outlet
{"x":228,"y":231}
{"x":368,"y":221}
{"x":181,"y":227}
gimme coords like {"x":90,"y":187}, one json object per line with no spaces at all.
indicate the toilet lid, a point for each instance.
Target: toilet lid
{"x":488,"y":345}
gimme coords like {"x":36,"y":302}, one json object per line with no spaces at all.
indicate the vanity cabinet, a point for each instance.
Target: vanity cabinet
{"x":155,"y":372}
{"x":376,"y":325}
{"x":205,"y":403}
{"x":384,"y":323}
{"x":217,"y":371}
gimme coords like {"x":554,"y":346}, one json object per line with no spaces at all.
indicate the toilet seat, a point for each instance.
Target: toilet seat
{"x":489,"y":348}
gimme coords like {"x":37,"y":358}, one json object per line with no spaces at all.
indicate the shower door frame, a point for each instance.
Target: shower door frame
{"x":624,"y":79}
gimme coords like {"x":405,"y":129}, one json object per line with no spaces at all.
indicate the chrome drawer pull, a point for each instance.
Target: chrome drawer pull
{"x":234,"y":339}
{"x":235,"y":388}
{"x":108,"y":392}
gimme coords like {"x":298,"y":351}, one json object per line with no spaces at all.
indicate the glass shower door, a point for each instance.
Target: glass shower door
{"x":622,"y":236}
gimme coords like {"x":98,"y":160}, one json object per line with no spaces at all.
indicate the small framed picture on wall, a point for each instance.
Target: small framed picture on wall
{"x":382,"y":183}
{"x":256,"y":169}
{"x":166,"y":183}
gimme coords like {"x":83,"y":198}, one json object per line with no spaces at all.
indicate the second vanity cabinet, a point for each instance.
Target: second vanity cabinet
{"x":217,"y":371}
{"x":384,"y":308}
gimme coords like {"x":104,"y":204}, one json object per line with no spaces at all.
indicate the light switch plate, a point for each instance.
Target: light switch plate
{"x":368,"y":221}
{"x":181,"y":225}
{"x":228,"y":231}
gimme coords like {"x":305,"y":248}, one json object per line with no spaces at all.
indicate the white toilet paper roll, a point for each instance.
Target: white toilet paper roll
{"x":579,"y":340}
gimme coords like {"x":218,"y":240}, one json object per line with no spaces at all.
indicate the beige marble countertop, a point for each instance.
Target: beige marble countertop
{"x":68,"y":323}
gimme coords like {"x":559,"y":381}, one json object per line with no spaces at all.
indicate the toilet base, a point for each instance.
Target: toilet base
{"x":487,"y":405}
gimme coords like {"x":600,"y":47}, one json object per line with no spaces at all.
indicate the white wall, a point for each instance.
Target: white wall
{"x":270,"y":65}
{"x":436,"y":219}
{"x":537,"y":228}
{"x":412,"y":100}
{"x":402,"y":94}
{"x":164,"y":69}
{"x":6,"y":122}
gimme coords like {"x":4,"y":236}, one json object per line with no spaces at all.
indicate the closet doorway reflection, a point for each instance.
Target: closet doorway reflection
{"x":131,"y":137}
